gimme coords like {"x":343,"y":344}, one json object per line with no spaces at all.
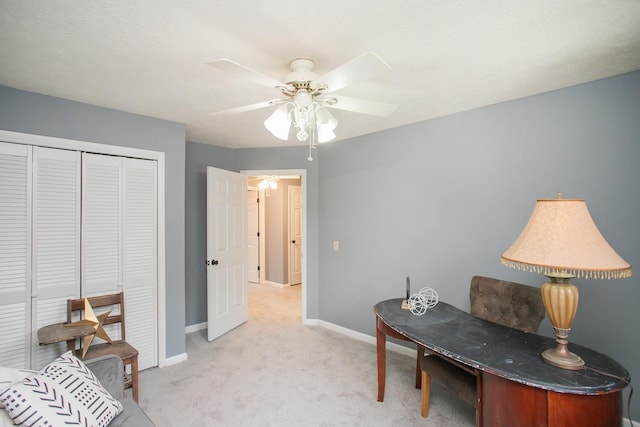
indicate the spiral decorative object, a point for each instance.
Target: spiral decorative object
{"x":420,"y":302}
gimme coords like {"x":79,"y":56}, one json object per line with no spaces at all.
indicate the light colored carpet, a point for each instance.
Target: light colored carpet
{"x":274,"y":371}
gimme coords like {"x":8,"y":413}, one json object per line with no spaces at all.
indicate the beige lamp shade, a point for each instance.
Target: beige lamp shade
{"x":561,"y":237}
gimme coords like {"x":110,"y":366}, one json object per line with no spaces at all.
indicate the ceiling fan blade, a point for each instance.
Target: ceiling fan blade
{"x":358,"y":69}
{"x":240,"y":70}
{"x":364,"y":106}
{"x":249,"y":107}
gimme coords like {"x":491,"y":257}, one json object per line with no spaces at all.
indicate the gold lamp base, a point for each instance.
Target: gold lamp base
{"x":563,"y":358}
{"x":560,"y":300}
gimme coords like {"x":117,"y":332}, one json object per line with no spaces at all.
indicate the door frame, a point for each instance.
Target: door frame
{"x":116,"y":150}
{"x":303,"y":184}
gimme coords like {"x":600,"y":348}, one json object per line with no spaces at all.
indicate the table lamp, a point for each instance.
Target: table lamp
{"x":561,"y":241}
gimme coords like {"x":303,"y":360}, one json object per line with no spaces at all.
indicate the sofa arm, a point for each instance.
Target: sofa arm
{"x":110,"y":372}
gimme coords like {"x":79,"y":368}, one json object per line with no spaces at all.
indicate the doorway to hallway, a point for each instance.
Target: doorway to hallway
{"x":277,"y":228}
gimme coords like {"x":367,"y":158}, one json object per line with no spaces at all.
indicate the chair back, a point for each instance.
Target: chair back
{"x":507,"y":303}
{"x":117,"y":313}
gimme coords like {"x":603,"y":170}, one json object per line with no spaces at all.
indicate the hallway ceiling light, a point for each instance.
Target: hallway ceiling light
{"x":268,"y":182}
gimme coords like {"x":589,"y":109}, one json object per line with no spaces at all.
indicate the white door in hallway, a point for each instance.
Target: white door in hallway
{"x":295,"y":235}
{"x":227,"y":305}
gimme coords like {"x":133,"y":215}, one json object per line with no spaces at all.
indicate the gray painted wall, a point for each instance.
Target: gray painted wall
{"x":44,"y":115}
{"x":441,"y":200}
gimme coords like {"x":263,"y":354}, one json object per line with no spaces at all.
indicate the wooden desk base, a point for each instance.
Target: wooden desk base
{"x":508,"y":403}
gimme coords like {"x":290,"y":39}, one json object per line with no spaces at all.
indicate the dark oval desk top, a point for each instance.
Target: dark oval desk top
{"x":500,"y":350}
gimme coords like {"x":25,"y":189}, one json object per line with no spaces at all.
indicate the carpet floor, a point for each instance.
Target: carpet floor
{"x":275,"y":371}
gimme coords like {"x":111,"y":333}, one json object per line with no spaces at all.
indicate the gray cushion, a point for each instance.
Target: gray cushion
{"x":132,"y":415}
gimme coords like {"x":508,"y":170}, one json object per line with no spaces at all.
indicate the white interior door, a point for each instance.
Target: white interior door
{"x":253,"y":237}
{"x":295,"y":235}
{"x":227,"y":305}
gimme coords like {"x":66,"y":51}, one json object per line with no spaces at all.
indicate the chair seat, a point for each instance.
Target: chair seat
{"x":120,"y":348}
{"x":461,"y":382}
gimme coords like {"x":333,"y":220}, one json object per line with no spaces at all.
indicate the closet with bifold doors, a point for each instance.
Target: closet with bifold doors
{"x":74,"y":224}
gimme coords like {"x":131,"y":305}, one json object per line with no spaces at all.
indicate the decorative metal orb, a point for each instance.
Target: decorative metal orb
{"x":420,"y":302}
{"x":417,"y":304}
{"x":430,"y":295}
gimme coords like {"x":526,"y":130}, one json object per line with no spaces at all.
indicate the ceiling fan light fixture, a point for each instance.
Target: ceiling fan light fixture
{"x":306,"y":96}
{"x":279,"y":122}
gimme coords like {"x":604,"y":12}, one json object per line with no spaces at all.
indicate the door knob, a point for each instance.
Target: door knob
{"x":212,"y":262}
{"x":293,"y":241}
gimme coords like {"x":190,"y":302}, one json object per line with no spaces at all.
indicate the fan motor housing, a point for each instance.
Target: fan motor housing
{"x":301,"y":71}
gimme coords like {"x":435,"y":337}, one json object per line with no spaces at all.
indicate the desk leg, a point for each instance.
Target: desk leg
{"x":381,"y":344}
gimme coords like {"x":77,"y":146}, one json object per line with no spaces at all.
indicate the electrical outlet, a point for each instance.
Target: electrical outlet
{"x":336,"y":245}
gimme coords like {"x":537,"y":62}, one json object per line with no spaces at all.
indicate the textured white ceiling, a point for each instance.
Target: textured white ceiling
{"x":149,"y":56}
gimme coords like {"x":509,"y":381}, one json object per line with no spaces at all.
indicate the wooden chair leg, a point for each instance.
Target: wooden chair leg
{"x":134,"y":378}
{"x":420,"y":355}
{"x":424,"y":394}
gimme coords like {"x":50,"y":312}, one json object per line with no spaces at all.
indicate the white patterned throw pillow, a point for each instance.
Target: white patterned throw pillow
{"x":9,"y":377}
{"x":65,"y":392}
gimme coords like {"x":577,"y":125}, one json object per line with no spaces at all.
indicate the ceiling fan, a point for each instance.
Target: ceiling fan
{"x":308,"y":96}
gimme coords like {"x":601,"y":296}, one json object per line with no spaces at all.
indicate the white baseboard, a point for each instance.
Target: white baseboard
{"x":411,"y":352}
{"x":173,"y":360}
{"x":196,"y":327}
{"x":274,"y":284}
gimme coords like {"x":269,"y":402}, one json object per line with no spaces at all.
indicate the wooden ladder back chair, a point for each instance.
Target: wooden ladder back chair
{"x":120,"y":347}
{"x":499,"y":301}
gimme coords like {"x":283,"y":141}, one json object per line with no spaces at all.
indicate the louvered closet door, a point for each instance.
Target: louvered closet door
{"x":140,"y":258}
{"x":102,"y":230}
{"x":101,"y":225}
{"x":120,"y":243}
{"x":15,"y":254}
{"x":56,"y":243}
